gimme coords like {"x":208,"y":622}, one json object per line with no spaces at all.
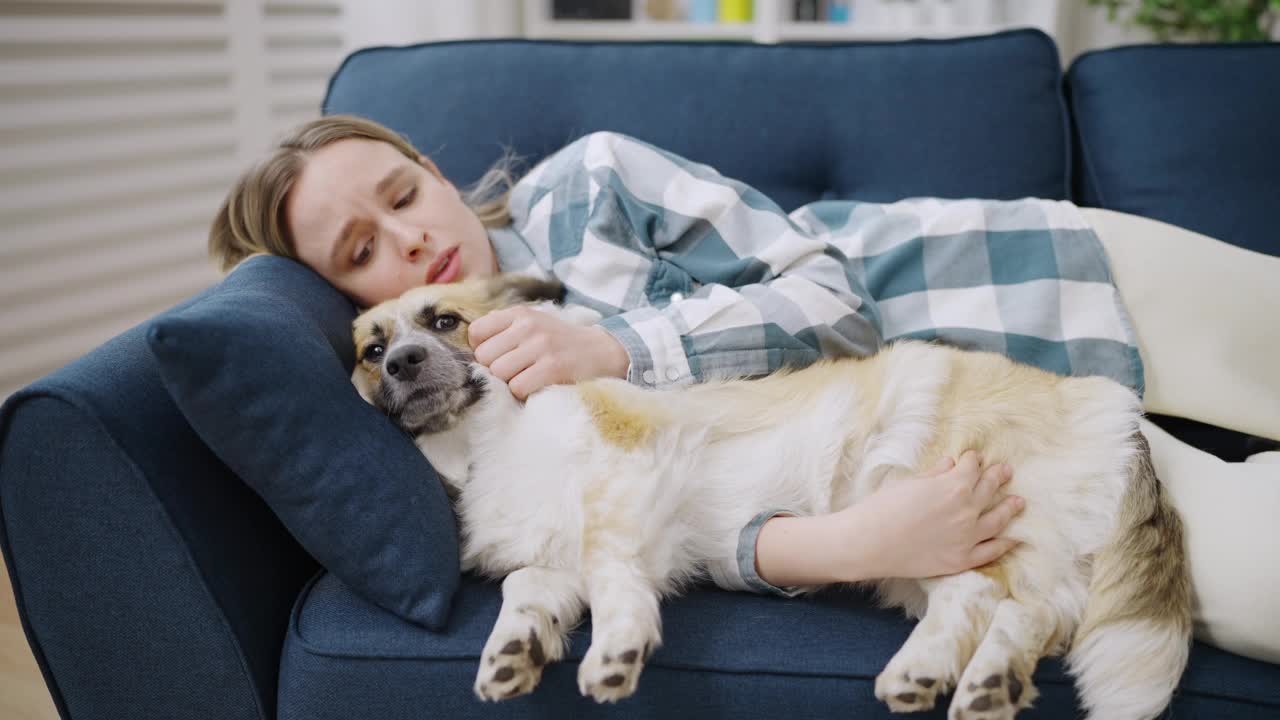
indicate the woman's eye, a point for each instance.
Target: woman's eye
{"x":444,"y":323}
{"x":373,"y":353}
{"x":366,"y":250}
{"x":406,"y":199}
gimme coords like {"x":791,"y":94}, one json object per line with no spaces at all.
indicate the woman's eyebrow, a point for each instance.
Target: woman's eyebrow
{"x":385,"y":182}
{"x":345,"y":232}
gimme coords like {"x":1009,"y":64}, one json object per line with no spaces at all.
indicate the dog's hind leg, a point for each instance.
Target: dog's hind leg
{"x":539,"y":607}
{"x":997,"y":682}
{"x":930,"y":662}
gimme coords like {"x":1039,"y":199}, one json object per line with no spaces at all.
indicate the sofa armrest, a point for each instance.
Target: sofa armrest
{"x":143,"y":592}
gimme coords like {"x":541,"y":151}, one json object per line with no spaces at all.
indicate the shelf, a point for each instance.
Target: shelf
{"x":835,"y":32}
{"x":788,"y":31}
{"x":640,"y":30}
{"x":878,"y":20}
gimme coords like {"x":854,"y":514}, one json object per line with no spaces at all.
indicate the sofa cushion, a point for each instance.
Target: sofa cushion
{"x":1182,"y":133}
{"x":260,"y":367}
{"x":724,"y":655}
{"x":972,"y":117}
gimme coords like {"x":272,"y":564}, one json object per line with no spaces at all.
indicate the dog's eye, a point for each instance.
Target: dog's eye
{"x":444,"y":323}
{"x":373,"y":353}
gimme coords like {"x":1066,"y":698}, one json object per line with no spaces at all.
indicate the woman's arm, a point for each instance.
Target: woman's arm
{"x":699,"y":276}
{"x":938,"y":523}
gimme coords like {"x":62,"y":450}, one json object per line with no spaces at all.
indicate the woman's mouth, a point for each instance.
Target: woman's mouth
{"x":446,"y":268}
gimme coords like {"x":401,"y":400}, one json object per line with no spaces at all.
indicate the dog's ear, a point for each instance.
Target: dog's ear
{"x":512,"y":289}
{"x":364,"y":384}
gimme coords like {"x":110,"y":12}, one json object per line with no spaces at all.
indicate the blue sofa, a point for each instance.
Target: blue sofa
{"x":152,"y":582}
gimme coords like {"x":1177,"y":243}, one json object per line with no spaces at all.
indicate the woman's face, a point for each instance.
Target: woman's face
{"x":375,"y":223}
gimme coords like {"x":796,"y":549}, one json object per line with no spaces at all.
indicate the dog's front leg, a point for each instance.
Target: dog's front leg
{"x":930,"y":663}
{"x":539,"y":607}
{"x":625,"y":623}
{"x":997,"y":682}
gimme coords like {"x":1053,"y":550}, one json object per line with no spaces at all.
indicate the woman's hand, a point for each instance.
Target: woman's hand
{"x":530,"y":349}
{"x":933,"y":524}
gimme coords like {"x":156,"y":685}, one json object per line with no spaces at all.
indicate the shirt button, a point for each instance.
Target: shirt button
{"x":673,"y":374}
{"x":649,"y":377}
{"x":677,"y":297}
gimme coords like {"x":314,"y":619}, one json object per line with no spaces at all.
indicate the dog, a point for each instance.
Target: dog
{"x":610,"y":496}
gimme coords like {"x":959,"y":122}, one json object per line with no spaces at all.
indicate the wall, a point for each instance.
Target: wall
{"x":404,"y":22}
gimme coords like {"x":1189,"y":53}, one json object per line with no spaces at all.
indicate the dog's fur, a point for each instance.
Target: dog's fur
{"x":607,"y":495}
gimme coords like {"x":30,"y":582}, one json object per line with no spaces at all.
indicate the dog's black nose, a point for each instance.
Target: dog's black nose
{"x":404,"y":362}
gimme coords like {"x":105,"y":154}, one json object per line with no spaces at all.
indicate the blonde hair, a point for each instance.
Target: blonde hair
{"x":251,"y":220}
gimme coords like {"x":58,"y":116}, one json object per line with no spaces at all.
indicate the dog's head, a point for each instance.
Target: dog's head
{"x":412,"y":355}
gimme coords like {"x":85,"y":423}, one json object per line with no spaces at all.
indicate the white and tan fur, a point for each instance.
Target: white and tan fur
{"x":610,"y":496}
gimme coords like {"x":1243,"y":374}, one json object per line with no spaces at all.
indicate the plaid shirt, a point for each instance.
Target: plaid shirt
{"x":700,"y":276}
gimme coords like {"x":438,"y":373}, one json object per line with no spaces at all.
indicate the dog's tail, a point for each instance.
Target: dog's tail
{"x":1130,"y":649}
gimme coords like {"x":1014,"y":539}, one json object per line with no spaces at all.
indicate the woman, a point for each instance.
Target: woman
{"x":624,"y":226}
{"x":360,"y":206}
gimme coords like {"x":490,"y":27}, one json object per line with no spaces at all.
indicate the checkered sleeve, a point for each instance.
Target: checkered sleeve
{"x":733,"y":287}
{"x":1027,"y":278}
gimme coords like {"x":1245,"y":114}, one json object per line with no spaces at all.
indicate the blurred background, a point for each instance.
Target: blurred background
{"x":122,"y":124}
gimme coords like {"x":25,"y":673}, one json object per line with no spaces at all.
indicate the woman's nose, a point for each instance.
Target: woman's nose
{"x":411,"y":241}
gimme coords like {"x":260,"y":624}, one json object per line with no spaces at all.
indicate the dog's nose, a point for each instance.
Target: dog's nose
{"x":404,"y":362}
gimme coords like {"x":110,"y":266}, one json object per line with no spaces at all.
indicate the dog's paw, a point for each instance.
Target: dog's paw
{"x":610,"y":671}
{"x":517,"y":650}
{"x":991,"y":694}
{"x":913,"y":680}
{"x":908,"y":691}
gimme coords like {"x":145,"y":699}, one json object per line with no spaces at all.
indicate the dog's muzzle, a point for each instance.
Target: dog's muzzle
{"x":404,"y":363}
{"x":426,"y":384}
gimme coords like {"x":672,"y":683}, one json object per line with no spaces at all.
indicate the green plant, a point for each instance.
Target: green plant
{"x":1214,"y":20}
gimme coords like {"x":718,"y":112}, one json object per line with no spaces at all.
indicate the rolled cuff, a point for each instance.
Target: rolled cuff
{"x":751,"y":580}
{"x":655,"y":347}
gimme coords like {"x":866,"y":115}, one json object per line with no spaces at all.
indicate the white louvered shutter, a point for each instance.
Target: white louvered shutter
{"x":122,"y":125}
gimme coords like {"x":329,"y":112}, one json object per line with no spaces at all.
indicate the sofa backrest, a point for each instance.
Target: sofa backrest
{"x":1187,"y":134}
{"x":977,"y":117}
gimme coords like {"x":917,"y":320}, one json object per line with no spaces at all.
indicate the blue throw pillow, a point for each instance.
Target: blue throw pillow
{"x":260,"y":365}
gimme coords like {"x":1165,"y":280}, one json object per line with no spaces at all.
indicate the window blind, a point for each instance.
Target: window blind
{"x":122,"y":125}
